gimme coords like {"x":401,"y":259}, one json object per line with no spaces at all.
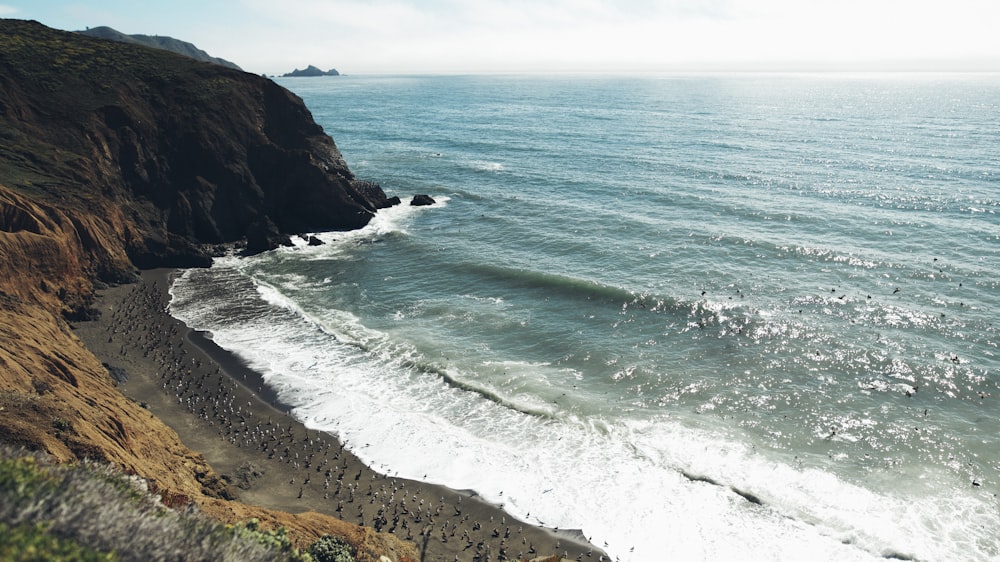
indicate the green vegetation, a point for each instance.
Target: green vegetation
{"x":20,"y":477}
{"x":33,"y":543}
{"x":276,"y":539}
{"x":89,"y":511}
{"x":86,"y":73}
{"x":331,"y":549}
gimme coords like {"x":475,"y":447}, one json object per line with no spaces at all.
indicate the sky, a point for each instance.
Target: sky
{"x":556,"y":36}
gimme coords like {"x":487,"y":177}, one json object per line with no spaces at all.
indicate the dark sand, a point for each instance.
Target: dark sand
{"x":222,"y":409}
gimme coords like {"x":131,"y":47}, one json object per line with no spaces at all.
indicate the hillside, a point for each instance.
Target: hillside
{"x":116,"y":156}
{"x":158,"y":42}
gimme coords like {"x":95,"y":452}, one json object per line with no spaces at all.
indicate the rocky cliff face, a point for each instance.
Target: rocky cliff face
{"x":190,"y":153}
{"x":116,"y":156}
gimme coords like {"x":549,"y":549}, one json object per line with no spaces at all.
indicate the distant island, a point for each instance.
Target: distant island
{"x":158,"y":42}
{"x":311,"y":71}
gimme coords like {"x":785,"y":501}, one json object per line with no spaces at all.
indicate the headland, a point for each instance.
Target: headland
{"x":119,"y":159}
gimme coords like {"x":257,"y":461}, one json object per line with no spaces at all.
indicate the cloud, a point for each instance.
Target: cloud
{"x":540,"y":35}
{"x":427,"y":36}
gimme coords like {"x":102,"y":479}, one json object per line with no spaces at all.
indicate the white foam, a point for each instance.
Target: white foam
{"x":621,"y":481}
{"x":389,"y":221}
{"x":276,"y":298}
{"x":487,"y":166}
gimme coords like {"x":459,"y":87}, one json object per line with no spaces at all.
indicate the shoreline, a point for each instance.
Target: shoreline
{"x":221,"y":407}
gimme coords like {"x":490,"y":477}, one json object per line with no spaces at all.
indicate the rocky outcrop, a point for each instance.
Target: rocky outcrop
{"x":264,"y":235}
{"x":422,"y":200}
{"x":310,"y":71}
{"x":191,"y":154}
{"x":158,"y":42}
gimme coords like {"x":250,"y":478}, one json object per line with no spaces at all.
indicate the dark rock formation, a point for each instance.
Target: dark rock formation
{"x":373,"y":192}
{"x":172,"y":154}
{"x":158,"y":42}
{"x":311,"y":71}
{"x":263,"y":235}
{"x":422,"y":200}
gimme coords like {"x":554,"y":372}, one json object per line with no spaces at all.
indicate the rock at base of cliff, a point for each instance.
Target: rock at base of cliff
{"x":263,"y":235}
{"x":422,"y":200}
{"x":373,"y":192}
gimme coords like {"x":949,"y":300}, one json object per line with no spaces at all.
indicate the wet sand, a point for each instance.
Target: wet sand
{"x":221,"y":408}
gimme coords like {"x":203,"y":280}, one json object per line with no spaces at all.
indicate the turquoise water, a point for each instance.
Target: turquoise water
{"x":642,"y":302}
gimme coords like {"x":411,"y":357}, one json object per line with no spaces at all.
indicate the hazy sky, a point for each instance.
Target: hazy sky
{"x":452,"y":36}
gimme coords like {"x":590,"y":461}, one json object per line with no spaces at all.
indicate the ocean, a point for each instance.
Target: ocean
{"x":698,"y":317}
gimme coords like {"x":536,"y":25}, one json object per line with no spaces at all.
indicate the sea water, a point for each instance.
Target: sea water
{"x":703,"y":317}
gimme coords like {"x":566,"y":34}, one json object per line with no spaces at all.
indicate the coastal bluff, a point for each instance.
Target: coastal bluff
{"x":159,"y":42}
{"x":115,"y":157}
{"x":188,"y":153}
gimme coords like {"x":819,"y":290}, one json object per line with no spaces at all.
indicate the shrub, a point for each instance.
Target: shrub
{"x":275,"y":539}
{"x":21,"y":477}
{"x":331,"y":549}
{"x":90,"y":508}
{"x":33,"y":542}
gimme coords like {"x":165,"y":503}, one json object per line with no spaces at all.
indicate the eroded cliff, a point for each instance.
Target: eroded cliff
{"x":113,"y":157}
{"x":188,"y":152}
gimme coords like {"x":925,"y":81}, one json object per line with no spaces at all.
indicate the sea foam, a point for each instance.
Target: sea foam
{"x":627,"y":486}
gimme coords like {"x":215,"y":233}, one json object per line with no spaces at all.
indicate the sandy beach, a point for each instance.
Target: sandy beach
{"x":221,"y":408}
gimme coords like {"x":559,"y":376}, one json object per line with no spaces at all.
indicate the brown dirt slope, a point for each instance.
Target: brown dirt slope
{"x":55,"y":396}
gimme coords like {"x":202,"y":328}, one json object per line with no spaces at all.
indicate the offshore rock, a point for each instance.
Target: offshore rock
{"x":310,"y":71}
{"x":422,"y":200}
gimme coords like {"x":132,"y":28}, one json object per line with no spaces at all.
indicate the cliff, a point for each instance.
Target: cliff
{"x":158,"y":42}
{"x":116,"y":156}
{"x":190,"y":153}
